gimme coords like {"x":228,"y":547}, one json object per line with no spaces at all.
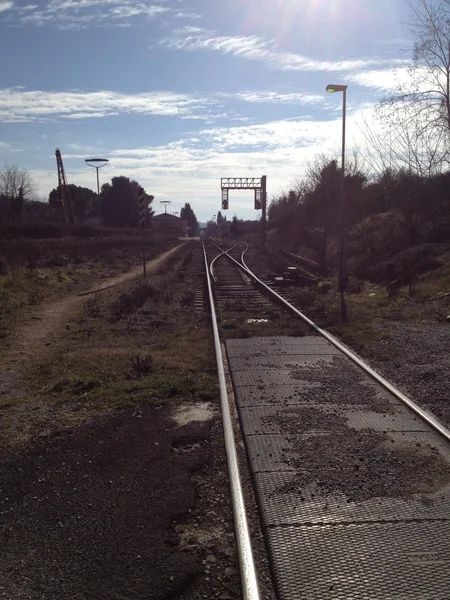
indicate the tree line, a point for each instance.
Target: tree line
{"x":117,"y":205}
{"x":397,"y":190}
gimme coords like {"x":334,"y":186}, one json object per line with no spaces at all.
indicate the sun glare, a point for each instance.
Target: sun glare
{"x":283,"y":19}
{"x":308,"y":21}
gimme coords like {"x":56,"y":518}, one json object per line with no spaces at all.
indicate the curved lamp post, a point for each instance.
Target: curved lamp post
{"x":331,"y":89}
{"x":98,"y":163}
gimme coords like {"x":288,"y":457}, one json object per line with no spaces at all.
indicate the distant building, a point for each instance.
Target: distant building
{"x":169,"y":224}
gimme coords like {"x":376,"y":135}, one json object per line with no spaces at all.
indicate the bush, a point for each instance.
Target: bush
{"x":142,"y":364}
{"x":128,"y":302}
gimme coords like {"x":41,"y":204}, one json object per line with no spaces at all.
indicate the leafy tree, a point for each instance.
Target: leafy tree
{"x":119,"y":202}
{"x":235,"y":227}
{"x":188,"y":215}
{"x":82,"y":200}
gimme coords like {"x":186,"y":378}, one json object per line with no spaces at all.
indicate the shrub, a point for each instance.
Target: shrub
{"x":142,"y":364}
{"x":128,"y":302}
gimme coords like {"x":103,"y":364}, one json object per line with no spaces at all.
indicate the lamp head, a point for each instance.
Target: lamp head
{"x":334,"y":87}
{"x":96,"y":162}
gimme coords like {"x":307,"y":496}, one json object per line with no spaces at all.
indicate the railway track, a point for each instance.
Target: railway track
{"x":235,"y":291}
{"x":352,"y":478}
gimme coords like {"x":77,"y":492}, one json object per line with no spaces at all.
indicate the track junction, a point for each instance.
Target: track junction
{"x":351,"y":477}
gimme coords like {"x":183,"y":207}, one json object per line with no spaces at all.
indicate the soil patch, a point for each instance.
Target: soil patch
{"x":303,"y":420}
{"x":88,"y":514}
{"x":340,"y":382}
{"x":367,"y":464}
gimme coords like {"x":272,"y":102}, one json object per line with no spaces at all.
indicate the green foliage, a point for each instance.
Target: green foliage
{"x":83,"y":200}
{"x":188,"y":215}
{"x":397,"y":210}
{"x":234,"y":228}
{"x":119,"y":203}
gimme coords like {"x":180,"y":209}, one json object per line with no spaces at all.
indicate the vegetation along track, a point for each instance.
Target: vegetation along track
{"x":244,"y":310}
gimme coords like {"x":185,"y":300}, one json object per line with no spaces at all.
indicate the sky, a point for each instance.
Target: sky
{"x":180,"y":93}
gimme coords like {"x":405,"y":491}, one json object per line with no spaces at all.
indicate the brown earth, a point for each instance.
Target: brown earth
{"x":131,"y":504}
{"x":88,"y":514}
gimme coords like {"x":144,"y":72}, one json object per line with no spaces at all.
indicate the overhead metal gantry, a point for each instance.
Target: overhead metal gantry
{"x":258,"y":184}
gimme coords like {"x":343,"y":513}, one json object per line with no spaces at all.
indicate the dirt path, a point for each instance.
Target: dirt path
{"x":45,"y":324}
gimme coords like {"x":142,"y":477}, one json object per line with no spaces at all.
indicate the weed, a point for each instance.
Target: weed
{"x":75,"y":386}
{"x":354,"y":285}
{"x":129,"y":302}
{"x":306,"y":296}
{"x":33,"y":297}
{"x":92,"y":308}
{"x":187,"y":259}
{"x":3,"y":267}
{"x":142,"y":364}
{"x":187,"y":298}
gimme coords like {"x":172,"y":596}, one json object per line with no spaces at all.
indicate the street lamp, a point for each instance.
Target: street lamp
{"x":331,"y":89}
{"x":165,"y":202}
{"x":97,"y":164}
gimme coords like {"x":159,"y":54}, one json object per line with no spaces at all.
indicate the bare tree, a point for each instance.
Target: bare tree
{"x":16,"y":187}
{"x":401,"y":144}
{"x":13,"y":179}
{"x":420,"y":108}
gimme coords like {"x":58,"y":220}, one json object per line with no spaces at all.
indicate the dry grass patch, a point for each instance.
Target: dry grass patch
{"x":140,"y":344}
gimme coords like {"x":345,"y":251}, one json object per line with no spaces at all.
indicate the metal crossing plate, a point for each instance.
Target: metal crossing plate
{"x":267,"y":346}
{"x":250,"y":375}
{"x":283,"y":361}
{"x":352,"y":487}
{"x":257,"y":395}
{"x":399,"y":561}
{"x":302,"y":418}
{"x":285,"y":501}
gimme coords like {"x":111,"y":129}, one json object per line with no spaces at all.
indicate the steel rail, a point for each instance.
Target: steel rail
{"x":313,"y":263}
{"x":249,"y":581}
{"x":301,"y":258}
{"x":211,"y":266}
{"x":424,"y":414}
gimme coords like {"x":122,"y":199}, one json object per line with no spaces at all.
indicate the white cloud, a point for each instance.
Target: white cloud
{"x":269,"y":97}
{"x":256,"y":48}
{"x":189,"y":170}
{"x":20,"y":105}
{"x":17,"y":105}
{"x":187,"y":15}
{"x":5,"y":6}
{"x":79,"y":14}
{"x":385,"y":80}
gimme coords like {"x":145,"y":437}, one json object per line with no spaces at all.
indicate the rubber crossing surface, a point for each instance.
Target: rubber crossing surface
{"x":353,"y":488}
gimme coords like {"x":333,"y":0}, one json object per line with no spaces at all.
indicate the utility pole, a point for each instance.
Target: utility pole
{"x":263,"y":207}
{"x":98,"y":163}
